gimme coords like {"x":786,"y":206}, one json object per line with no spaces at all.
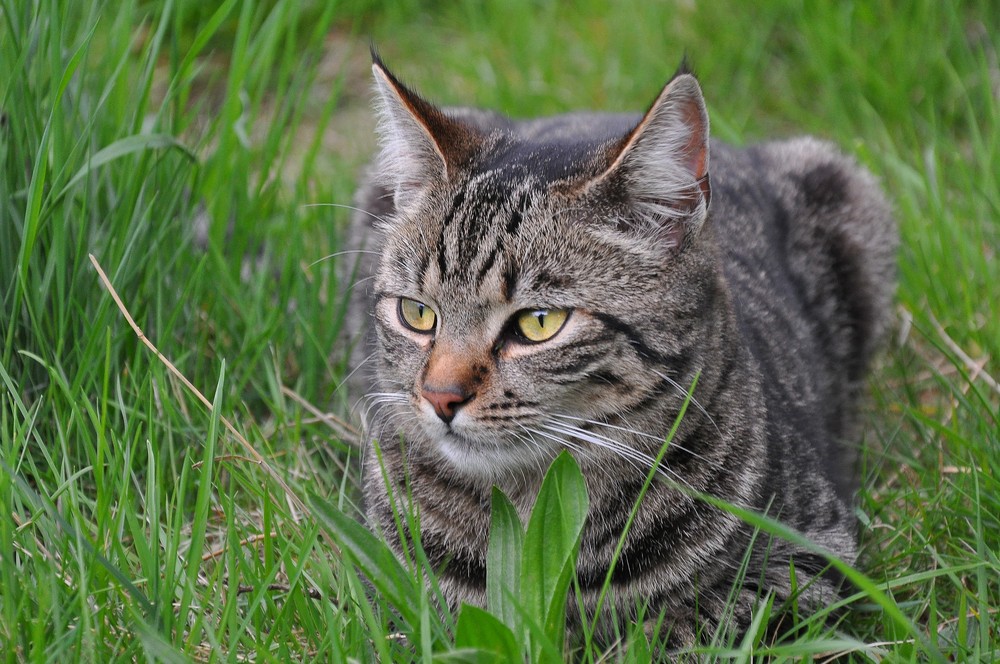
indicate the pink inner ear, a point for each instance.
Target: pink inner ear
{"x":696,"y":150}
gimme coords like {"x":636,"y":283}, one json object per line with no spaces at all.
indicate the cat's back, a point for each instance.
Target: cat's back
{"x":805,"y":232}
{"x":807,"y":246}
{"x":806,"y":213}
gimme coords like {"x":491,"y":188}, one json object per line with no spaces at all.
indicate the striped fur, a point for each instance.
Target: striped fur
{"x":766,"y":272}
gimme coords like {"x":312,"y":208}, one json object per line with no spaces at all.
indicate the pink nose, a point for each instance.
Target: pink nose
{"x":445,"y":401}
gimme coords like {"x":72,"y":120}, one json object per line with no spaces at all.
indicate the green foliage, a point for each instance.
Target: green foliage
{"x":548,"y":559}
{"x":503,"y":559}
{"x":528,"y":574}
{"x":192,"y":147}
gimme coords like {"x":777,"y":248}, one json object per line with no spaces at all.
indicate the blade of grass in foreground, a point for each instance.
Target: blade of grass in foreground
{"x":635,"y":506}
{"x":373,"y":557}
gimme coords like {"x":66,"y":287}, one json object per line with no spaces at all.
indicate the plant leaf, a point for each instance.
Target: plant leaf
{"x":503,"y":560}
{"x":551,"y":544}
{"x":481,"y":630}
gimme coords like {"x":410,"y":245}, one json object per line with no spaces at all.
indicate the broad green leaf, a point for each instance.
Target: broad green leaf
{"x":481,"y":630}
{"x":551,"y":544}
{"x":468,"y":656}
{"x":543,"y":647}
{"x":503,"y":560}
{"x":639,"y":650}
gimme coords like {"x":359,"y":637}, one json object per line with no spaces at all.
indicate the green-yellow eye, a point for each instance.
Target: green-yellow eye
{"x":416,"y":315}
{"x":541,"y":324}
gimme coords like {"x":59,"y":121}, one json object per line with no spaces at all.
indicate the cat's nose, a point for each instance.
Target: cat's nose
{"x":446,"y":401}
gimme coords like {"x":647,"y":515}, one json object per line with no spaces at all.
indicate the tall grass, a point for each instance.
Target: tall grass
{"x":185,"y":145}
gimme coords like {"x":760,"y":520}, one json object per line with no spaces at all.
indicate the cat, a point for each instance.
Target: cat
{"x":532,"y":286}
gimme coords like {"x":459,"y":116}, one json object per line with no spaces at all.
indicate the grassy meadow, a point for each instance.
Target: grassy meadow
{"x":200,"y":153}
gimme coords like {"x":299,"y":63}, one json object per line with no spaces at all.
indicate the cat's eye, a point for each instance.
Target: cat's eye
{"x":541,"y":324}
{"x":416,"y":315}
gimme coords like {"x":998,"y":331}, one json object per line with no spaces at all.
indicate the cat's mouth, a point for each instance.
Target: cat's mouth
{"x":457,"y":444}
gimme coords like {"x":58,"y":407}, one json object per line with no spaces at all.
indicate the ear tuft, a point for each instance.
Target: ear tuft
{"x":684,"y":67}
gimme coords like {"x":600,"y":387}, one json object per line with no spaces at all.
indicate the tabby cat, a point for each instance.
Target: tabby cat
{"x":559,"y":283}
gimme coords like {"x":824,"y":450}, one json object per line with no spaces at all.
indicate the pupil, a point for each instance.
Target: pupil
{"x":541,"y":319}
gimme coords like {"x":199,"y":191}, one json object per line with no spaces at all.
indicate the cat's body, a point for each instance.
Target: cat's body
{"x":766,"y":273}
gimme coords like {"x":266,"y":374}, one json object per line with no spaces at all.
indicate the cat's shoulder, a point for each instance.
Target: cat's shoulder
{"x":807,"y":171}
{"x":809,"y":189}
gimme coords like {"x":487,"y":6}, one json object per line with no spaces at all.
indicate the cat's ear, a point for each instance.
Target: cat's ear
{"x":662,"y":164}
{"x":421,"y":146}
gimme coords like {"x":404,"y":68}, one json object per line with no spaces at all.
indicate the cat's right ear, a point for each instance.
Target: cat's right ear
{"x":421,"y":146}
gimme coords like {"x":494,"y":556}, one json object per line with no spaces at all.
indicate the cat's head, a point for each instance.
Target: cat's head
{"x":535,"y":281}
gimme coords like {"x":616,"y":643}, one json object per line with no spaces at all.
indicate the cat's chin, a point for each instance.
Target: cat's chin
{"x":489,"y":461}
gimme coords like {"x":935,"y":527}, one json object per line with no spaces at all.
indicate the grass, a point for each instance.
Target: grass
{"x":186,"y":146}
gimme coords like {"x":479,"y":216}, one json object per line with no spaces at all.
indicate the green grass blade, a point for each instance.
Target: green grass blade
{"x":76,"y":536}
{"x":375,"y":559}
{"x":40,"y":168}
{"x":122,"y":147}
{"x":606,"y":586}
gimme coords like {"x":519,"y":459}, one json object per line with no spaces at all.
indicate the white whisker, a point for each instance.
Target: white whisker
{"x":374,"y":216}
{"x":379,"y":399}
{"x":639,"y":460}
{"x":684,"y":393}
{"x":361,"y":281}
{"x":355,"y":370}
{"x":647,"y":436}
{"x":536,"y":444}
{"x":344,"y":252}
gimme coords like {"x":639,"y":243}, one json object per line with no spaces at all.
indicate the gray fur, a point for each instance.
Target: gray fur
{"x":773,"y":286}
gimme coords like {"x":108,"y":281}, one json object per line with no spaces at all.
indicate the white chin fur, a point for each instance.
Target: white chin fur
{"x":490,"y":462}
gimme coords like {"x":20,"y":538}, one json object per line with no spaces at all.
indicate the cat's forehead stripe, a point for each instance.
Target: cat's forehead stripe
{"x":456,"y":203}
{"x":509,"y":283}
{"x":517,"y":214}
{"x":484,"y":220}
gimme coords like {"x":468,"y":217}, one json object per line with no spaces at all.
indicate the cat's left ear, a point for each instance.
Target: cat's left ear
{"x":421,"y":145}
{"x":663,"y":163}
